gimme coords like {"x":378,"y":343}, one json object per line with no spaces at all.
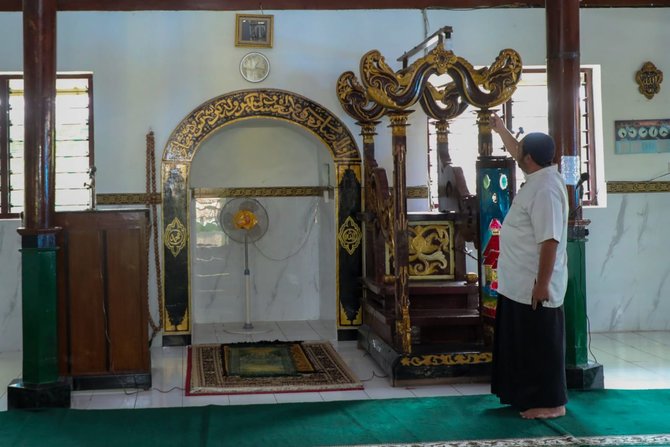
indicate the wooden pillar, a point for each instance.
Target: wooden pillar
{"x":39,"y":386}
{"x":448,"y":197}
{"x":372,"y":262}
{"x":484,"y":138}
{"x":563,"y":89}
{"x":562,"y":18}
{"x":400,"y":231}
{"x":39,"y":60}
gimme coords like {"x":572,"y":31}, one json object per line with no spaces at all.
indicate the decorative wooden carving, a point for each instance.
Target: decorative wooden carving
{"x":383,"y":91}
{"x":649,"y":79}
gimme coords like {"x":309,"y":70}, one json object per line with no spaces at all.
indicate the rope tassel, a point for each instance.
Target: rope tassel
{"x":152,"y":229}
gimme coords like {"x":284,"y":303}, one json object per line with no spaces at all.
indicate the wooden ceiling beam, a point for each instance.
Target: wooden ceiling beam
{"x":249,"y":5}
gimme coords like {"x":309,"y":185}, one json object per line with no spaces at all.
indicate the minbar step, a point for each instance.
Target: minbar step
{"x":432,"y":317}
{"x":426,"y":365}
{"x":424,"y":287}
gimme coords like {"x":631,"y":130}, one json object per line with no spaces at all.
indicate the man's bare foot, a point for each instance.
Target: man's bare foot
{"x":543,"y":413}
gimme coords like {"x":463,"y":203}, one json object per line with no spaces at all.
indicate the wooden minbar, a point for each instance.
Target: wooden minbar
{"x":423,"y":319}
{"x":102,"y":299}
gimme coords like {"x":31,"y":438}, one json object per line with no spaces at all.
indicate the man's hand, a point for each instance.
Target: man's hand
{"x":511,"y":144}
{"x":540,"y":295}
{"x":496,"y":123}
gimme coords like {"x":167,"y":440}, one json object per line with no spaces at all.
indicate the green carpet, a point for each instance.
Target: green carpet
{"x":438,"y":421}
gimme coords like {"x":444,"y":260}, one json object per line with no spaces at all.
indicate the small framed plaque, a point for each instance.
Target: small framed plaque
{"x":253,"y":30}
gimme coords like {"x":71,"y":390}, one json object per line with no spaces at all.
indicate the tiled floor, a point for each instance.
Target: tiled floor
{"x":632,"y":360}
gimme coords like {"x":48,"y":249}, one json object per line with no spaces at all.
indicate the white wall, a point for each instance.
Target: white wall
{"x":152,"y":68}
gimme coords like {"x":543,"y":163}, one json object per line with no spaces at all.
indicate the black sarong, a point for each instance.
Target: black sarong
{"x":529,"y":356}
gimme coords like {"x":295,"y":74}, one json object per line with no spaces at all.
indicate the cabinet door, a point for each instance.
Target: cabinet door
{"x":87,"y":330}
{"x":126,"y":292}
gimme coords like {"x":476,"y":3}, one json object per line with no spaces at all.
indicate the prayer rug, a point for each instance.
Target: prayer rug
{"x":267,"y":367}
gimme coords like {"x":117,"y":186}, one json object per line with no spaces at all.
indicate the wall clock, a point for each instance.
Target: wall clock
{"x":254,"y":67}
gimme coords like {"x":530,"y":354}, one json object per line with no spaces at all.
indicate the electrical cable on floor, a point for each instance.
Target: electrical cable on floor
{"x":367,"y":353}
{"x":374,"y":374}
{"x":130,"y":391}
{"x":582,"y":254}
{"x":588,"y":325}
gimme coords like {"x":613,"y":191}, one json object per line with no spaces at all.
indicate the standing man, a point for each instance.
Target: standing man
{"x":529,"y":339}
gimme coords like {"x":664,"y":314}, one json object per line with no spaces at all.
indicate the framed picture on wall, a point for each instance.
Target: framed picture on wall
{"x":253,"y":30}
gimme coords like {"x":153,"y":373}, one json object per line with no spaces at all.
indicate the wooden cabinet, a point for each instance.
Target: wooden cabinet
{"x":102,"y":292}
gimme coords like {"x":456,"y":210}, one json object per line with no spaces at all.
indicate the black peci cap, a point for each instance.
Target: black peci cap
{"x":540,"y":147}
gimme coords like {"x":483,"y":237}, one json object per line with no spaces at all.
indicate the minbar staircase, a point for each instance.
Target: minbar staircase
{"x":450,"y":340}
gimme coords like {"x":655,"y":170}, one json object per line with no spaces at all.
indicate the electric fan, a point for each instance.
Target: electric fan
{"x":245,"y":220}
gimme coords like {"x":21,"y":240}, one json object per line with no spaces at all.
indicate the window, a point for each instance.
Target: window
{"x":527,"y":110}
{"x":74,"y":143}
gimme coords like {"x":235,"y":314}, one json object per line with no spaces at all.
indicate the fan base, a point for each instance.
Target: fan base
{"x":247,"y":328}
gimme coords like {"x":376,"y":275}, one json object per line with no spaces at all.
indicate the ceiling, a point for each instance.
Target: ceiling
{"x":256,"y":5}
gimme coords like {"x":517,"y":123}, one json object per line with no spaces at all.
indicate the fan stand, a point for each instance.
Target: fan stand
{"x":247,"y":327}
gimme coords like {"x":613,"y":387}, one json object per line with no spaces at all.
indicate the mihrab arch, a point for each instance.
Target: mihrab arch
{"x":178,"y":154}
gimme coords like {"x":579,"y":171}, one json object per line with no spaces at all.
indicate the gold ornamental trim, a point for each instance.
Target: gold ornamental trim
{"x":415,"y":192}
{"x":175,"y":237}
{"x":344,"y":321}
{"x":182,"y":327}
{"x":399,"y":123}
{"x":136,"y":198}
{"x":460,"y":358}
{"x":350,"y":235}
{"x":369,"y":130}
{"x":637,"y":187}
{"x":264,"y":103}
{"x":274,"y":191}
{"x":355,"y":101}
{"x":482,"y":88}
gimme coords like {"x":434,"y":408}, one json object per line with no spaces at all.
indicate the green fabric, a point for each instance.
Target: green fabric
{"x":590,"y":413}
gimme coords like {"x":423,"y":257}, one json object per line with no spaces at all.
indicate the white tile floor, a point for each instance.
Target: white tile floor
{"x":632,"y":360}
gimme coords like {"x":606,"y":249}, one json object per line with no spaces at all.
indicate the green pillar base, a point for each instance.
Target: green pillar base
{"x":585,"y":377}
{"x":27,"y":396}
{"x":40,"y":320}
{"x":581,"y":374}
{"x":576,"y":334}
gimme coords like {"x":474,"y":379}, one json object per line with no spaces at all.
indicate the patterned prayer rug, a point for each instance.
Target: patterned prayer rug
{"x":266,"y":367}
{"x":554,"y":441}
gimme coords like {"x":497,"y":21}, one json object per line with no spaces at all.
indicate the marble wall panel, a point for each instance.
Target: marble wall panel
{"x":627,"y":268}
{"x":10,"y":287}
{"x":290,"y":278}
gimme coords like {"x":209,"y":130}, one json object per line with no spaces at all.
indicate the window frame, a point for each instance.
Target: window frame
{"x":5,"y":184}
{"x":588,"y":152}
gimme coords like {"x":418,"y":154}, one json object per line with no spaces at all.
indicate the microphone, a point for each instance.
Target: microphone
{"x":584,"y":177}
{"x":579,"y":193}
